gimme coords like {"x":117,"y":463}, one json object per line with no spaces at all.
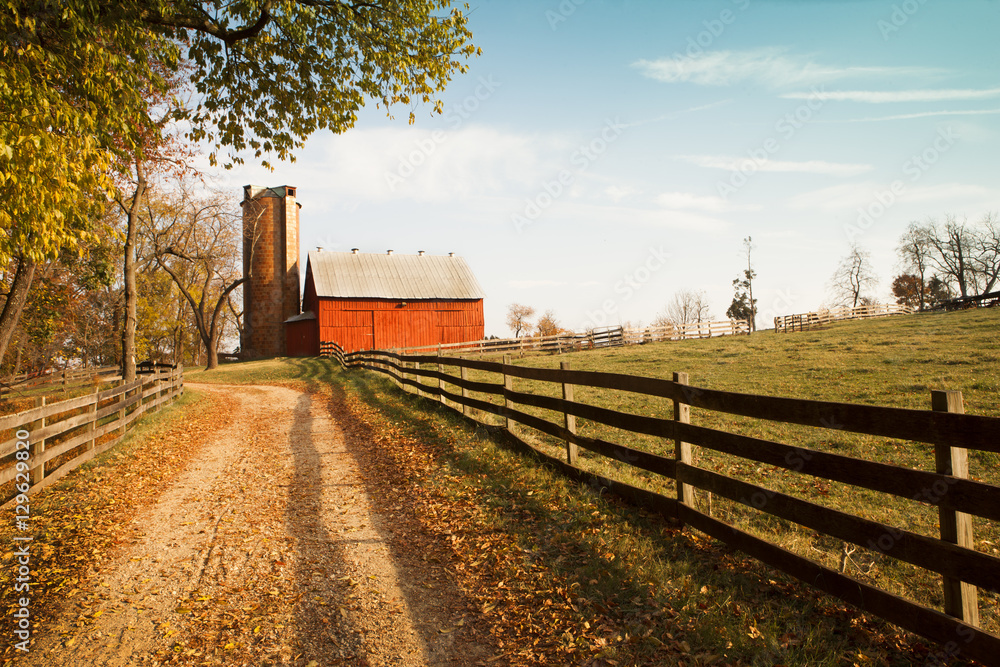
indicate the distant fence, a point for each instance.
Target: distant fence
{"x":686,"y":331}
{"x":990,"y":300}
{"x":44,"y":443}
{"x":569,"y":341}
{"x":953,"y":555}
{"x":65,"y":378}
{"x":803,"y":321}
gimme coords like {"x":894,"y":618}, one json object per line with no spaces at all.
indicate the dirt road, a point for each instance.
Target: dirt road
{"x":268,"y":549}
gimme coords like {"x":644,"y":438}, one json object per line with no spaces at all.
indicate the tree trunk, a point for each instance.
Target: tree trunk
{"x":16,"y":299}
{"x":131,"y":296}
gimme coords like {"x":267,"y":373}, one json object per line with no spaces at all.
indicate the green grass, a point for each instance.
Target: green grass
{"x":894,"y":362}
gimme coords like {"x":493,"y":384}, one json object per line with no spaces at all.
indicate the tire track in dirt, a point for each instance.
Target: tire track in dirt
{"x":265,"y":550}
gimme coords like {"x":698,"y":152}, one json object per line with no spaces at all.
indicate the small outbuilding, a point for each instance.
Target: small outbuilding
{"x":364,"y":301}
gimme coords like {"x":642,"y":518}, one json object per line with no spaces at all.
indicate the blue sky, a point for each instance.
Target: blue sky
{"x":601,"y":155}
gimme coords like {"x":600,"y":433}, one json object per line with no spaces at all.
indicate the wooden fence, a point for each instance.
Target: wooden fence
{"x":63,"y":378}
{"x":568,"y":341}
{"x":990,"y":300}
{"x":686,"y":331}
{"x":44,"y":443}
{"x":947,"y":486}
{"x":803,"y":321}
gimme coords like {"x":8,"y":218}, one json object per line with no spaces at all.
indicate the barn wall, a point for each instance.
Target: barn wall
{"x":302,"y":338}
{"x":364,"y":324}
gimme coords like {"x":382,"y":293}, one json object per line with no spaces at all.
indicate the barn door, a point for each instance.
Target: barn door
{"x":390,"y":329}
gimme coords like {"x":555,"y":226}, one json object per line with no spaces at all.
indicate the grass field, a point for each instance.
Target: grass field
{"x":892,"y":362}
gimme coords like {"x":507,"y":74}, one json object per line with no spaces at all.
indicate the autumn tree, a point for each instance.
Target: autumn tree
{"x":196,"y":241}
{"x":76,"y":79}
{"x":744,"y":305}
{"x":518,"y":318}
{"x":853,"y":278}
{"x":548,"y":325}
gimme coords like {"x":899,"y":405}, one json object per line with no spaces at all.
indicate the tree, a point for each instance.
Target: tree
{"x":985,"y":259}
{"x":744,"y":306}
{"x":548,"y":325}
{"x":853,"y":277}
{"x":914,"y":250}
{"x":518,"y":317}
{"x":195,"y":240}
{"x":78,"y":80}
{"x":686,"y":307}
{"x":909,"y":291}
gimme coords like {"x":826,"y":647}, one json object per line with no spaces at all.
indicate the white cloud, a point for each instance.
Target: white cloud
{"x":616,"y":193}
{"x":923,"y":114}
{"x":836,"y":197}
{"x":854,"y":195}
{"x":687,"y":200}
{"x":884,"y":96}
{"x":529,"y":284}
{"x":767,"y":66}
{"x":735,"y":163}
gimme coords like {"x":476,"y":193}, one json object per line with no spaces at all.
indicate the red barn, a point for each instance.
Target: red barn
{"x":366,"y":301}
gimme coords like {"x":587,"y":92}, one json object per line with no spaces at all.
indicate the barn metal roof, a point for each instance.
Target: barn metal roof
{"x":392,"y":276}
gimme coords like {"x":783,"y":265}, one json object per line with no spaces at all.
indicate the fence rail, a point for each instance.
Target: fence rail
{"x":990,"y":300}
{"x":803,"y":321}
{"x":691,"y":330}
{"x":42,"y":444}
{"x":64,"y":377}
{"x":952,"y":555}
{"x":568,"y":341}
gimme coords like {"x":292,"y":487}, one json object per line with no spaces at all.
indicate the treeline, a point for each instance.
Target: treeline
{"x":187,"y":244}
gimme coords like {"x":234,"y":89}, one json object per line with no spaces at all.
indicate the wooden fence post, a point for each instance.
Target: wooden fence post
{"x":440,"y":380}
{"x":464,"y":372}
{"x":568,"y":419}
{"x":38,"y":472}
{"x":123,"y":397}
{"x":960,"y":598}
{"x":682,"y":450}
{"x":92,"y":424}
{"x":508,"y":385}
{"x":418,"y":378}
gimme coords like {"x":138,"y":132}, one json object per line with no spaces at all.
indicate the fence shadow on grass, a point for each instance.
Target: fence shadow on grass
{"x":716,"y":599}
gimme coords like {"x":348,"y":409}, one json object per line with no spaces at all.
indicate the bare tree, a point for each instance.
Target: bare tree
{"x":853,"y":277}
{"x":951,"y":247}
{"x":196,"y":241}
{"x":518,"y":318}
{"x":914,"y":252}
{"x":985,"y":259}
{"x":686,"y":307}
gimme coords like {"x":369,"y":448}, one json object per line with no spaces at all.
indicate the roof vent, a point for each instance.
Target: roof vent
{"x":451,"y":254}
{"x":319,"y":248}
{"x":420,"y":252}
{"x":354,"y":251}
{"x":388,"y":252}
